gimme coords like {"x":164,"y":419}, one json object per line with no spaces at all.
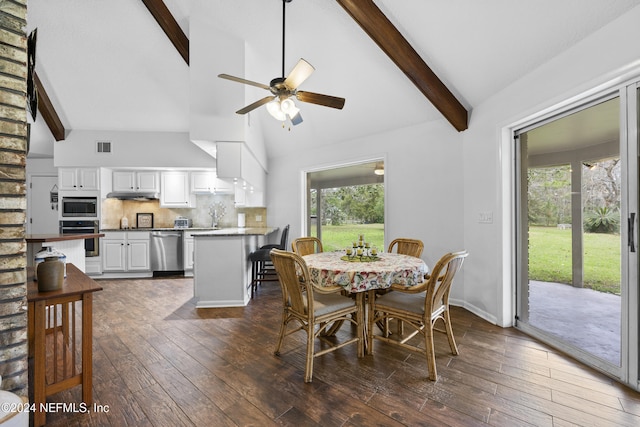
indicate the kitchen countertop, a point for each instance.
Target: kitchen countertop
{"x":248,"y":231}
{"x":162,"y":229}
{"x":204,"y":231}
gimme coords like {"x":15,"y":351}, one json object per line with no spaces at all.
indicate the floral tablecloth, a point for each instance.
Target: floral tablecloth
{"x":327,"y":269}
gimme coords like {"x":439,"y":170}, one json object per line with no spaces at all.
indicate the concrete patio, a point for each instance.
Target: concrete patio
{"x":585,"y":318}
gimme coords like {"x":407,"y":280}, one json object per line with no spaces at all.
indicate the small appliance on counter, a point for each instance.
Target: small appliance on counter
{"x":181,"y":222}
{"x":241,"y":220}
{"x":124,"y":223}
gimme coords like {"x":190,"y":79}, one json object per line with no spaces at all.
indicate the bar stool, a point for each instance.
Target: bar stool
{"x":261,"y":267}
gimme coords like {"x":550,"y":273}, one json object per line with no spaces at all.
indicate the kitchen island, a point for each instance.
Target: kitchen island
{"x":222,"y":270}
{"x":72,"y":245}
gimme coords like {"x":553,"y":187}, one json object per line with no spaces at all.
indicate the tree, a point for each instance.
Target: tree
{"x":601,"y":184}
{"x":357,"y":203}
{"x":549,"y":195}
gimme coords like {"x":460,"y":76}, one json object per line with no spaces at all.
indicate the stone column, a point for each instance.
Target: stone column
{"x":13,"y":204}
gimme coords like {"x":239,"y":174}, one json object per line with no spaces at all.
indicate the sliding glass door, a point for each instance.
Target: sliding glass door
{"x":577,"y":261}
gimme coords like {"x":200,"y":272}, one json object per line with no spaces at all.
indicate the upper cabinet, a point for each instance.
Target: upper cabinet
{"x":147,"y":181}
{"x":208,"y":182}
{"x":78,"y":179}
{"x":235,"y":161}
{"x":175,"y":190}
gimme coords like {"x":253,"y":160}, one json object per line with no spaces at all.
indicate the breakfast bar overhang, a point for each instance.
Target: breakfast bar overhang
{"x":222,"y":271}
{"x":72,"y":245}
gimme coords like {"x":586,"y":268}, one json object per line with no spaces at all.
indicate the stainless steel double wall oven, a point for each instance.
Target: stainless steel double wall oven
{"x":81,"y":215}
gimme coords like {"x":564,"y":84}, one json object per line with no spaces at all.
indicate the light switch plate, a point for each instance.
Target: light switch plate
{"x":258,"y":218}
{"x":485,"y":217}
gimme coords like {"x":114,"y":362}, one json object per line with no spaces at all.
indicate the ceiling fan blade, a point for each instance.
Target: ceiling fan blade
{"x":239,"y":80}
{"x":324,"y":100}
{"x":299,"y":74}
{"x":255,"y":105}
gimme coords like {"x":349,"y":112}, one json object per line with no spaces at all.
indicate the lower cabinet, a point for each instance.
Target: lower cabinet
{"x":93,"y":266}
{"x":125,"y":251}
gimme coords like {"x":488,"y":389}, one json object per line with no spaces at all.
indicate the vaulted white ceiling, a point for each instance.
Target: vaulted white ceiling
{"x":107,"y":65}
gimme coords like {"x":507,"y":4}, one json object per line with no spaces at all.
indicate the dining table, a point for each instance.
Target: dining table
{"x":363,"y":276}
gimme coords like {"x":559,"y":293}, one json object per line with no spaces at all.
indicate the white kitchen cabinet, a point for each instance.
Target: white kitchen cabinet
{"x":138,"y":251}
{"x":208,"y":182}
{"x":123,"y":180}
{"x":235,"y":161}
{"x":175,"y":191}
{"x":114,"y":251}
{"x":78,"y":179}
{"x":188,"y":254}
{"x":223,"y":186}
{"x":148,"y":181}
{"x":135,"y":181}
{"x":247,"y":198}
{"x":125,"y":251}
{"x":240,"y":196}
{"x":202,"y":182}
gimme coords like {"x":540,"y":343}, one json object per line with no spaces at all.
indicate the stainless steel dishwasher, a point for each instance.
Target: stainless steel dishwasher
{"x":166,"y":253}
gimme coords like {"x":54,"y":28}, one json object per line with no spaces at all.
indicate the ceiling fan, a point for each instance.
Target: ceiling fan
{"x":280,"y":103}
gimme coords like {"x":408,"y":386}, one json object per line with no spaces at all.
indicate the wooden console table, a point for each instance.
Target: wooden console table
{"x":53,"y":338}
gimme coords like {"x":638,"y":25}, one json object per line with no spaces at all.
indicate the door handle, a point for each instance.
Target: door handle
{"x":631,"y":239}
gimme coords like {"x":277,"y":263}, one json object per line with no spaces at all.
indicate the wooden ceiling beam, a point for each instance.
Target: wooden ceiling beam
{"x":170,"y":27}
{"x":393,"y":43}
{"x":48,"y":112}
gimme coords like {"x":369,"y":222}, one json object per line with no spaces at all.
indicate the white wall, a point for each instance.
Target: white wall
{"x":211,"y":52}
{"x":610,"y":52}
{"x":130,"y":149}
{"x":423,"y":191}
{"x":40,"y":167}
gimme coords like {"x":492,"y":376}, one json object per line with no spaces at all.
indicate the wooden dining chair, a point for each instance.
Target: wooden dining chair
{"x":306,"y":245}
{"x":312,"y":309}
{"x":420,"y":307}
{"x":404,"y":246}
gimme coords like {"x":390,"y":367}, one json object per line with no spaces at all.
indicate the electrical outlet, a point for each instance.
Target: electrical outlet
{"x":485,"y":217}
{"x":258,"y":218}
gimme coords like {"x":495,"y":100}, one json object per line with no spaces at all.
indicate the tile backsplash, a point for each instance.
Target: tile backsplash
{"x":113,"y":210}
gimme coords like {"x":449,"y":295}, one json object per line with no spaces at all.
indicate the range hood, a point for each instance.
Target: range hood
{"x":143,"y":196}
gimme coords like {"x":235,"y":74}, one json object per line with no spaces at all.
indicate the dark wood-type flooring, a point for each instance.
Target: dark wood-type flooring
{"x":159,"y":361}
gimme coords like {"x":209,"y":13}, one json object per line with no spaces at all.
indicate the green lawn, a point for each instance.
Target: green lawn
{"x":549,"y":253}
{"x":550,"y":258}
{"x":336,"y":237}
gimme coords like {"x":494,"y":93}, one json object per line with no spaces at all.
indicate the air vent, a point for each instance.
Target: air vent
{"x":103,"y":146}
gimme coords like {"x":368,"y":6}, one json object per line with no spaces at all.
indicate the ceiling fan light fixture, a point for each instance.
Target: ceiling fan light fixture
{"x":275,"y":109}
{"x":280,"y":104}
{"x":289,"y":107}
